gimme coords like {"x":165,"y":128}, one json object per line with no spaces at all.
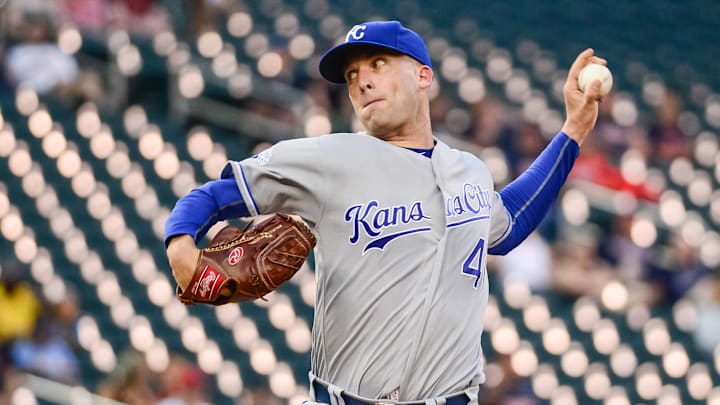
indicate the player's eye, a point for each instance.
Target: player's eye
{"x":350,"y":75}
{"x":377,"y":63}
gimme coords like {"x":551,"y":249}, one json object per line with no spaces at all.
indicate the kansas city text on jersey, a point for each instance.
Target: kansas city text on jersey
{"x":371,"y":219}
{"x":473,"y":199}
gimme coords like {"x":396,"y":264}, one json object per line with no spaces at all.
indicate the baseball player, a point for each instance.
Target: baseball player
{"x":404,"y":225}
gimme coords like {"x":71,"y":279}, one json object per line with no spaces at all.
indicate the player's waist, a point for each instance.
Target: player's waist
{"x":324,"y":393}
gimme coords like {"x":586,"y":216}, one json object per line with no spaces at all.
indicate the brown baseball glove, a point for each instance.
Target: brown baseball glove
{"x":245,"y":265}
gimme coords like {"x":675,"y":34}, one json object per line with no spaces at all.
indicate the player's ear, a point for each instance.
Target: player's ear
{"x":425,"y":76}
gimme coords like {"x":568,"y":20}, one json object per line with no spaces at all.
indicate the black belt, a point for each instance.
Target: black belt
{"x":322,"y":395}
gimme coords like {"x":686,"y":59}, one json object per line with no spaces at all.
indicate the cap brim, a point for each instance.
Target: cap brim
{"x":332,"y":63}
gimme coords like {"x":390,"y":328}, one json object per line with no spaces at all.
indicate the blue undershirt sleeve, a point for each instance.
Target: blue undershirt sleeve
{"x":529,"y":197}
{"x":202,"y":207}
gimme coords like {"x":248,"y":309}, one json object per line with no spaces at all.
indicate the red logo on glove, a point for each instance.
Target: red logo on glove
{"x":208,"y":283}
{"x":235,"y":256}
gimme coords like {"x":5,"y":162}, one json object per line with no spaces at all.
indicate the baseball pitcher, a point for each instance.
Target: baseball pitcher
{"x":404,"y":225}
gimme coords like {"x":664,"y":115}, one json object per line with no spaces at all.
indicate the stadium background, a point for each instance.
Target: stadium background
{"x":616,"y":300}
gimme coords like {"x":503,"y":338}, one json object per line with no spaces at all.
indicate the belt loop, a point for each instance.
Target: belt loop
{"x":472,"y":393}
{"x":311,"y":377}
{"x":335,"y":395}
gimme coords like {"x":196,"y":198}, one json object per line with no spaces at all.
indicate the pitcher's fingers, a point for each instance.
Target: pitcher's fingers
{"x":598,"y":60}
{"x":580,"y":62}
{"x":592,"y":93}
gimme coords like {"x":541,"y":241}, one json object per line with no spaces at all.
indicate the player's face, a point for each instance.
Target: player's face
{"x":384,"y":92}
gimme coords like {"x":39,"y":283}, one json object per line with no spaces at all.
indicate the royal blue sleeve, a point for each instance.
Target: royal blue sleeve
{"x":529,"y":197}
{"x":202,"y":207}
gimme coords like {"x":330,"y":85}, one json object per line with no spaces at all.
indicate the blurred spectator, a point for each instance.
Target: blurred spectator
{"x":676,"y":269}
{"x":489,"y":126}
{"x":46,"y":354}
{"x":10,"y":379}
{"x":581,"y":270}
{"x":138,"y":17}
{"x":196,"y":16}
{"x":15,"y":12}
{"x":259,"y":396}
{"x":20,"y":306}
{"x":618,"y":248}
{"x":439,"y":107}
{"x":511,"y":389}
{"x":594,"y":166}
{"x":63,"y":315}
{"x":667,"y":137}
{"x":87,"y":15}
{"x":530,"y":262}
{"x":131,"y":381}
{"x":259,"y":147}
{"x":318,"y":90}
{"x":577,"y":269}
{"x":182,"y":384}
{"x":143,"y":18}
{"x":614,"y":139}
{"x":707,"y":302}
{"x":35,"y":60}
{"x":527,"y":144}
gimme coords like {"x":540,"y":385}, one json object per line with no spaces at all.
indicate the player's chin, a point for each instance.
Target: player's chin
{"x":378,"y":128}
{"x":378,"y":132}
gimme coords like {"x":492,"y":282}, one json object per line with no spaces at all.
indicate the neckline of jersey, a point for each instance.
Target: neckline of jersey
{"x":425,"y":152}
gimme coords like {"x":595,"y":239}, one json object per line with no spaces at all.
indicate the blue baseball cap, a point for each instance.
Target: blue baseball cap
{"x":385,"y":34}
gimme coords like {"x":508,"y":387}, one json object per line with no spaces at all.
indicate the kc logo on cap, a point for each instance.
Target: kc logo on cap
{"x":357,"y":32}
{"x":389,"y":35}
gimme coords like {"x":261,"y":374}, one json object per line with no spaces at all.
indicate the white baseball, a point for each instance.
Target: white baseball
{"x":592,"y":72}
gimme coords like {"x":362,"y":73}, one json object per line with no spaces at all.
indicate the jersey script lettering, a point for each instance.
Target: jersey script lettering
{"x":371,"y":219}
{"x":473,"y":199}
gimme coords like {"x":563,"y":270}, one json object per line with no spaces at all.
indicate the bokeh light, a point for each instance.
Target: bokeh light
{"x":229,"y":381}
{"x":614,"y":296}
{"x":597,"y":382}
{"x":69,"y":40}
{"x":164,"y":43}
{"x":643,"y":231}
{"x":40,"y":123}
{"x":575,"y":207}
{"x":675,"y":361}
{"x":224,"y":64}
{"x":556,"y":338}
{"x":544,"y":381}
{"x":524,"y":361}
{"x":656,"y":336}
{"x":623,"y":361}
{"x":239,"y":24}
{"x":129,"y":60}
{"x":282,"y":382}
{"x":256,"y":45}
{"x":574,"y":362}
{"x":605,"y":337}
{"x":647,"y":381}
{"x":270,"y":64}
{"x":245,"y":334}
{"x":209,"y":44}
{"x":699,"y":382}
{"x":190,"y":82}
{"x":262,"y":358}
{"x":505,"y":338}
{"x":536,"y":314}
{"x":301,"y":46}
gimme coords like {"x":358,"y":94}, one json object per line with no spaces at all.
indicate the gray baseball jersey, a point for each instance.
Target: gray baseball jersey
{"x":400,"y":260}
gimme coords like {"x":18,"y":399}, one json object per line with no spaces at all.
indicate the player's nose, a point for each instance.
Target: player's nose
{"x":365,"y":80}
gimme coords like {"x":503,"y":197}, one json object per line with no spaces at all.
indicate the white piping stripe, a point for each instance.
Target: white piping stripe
{"x":544,"y":183}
